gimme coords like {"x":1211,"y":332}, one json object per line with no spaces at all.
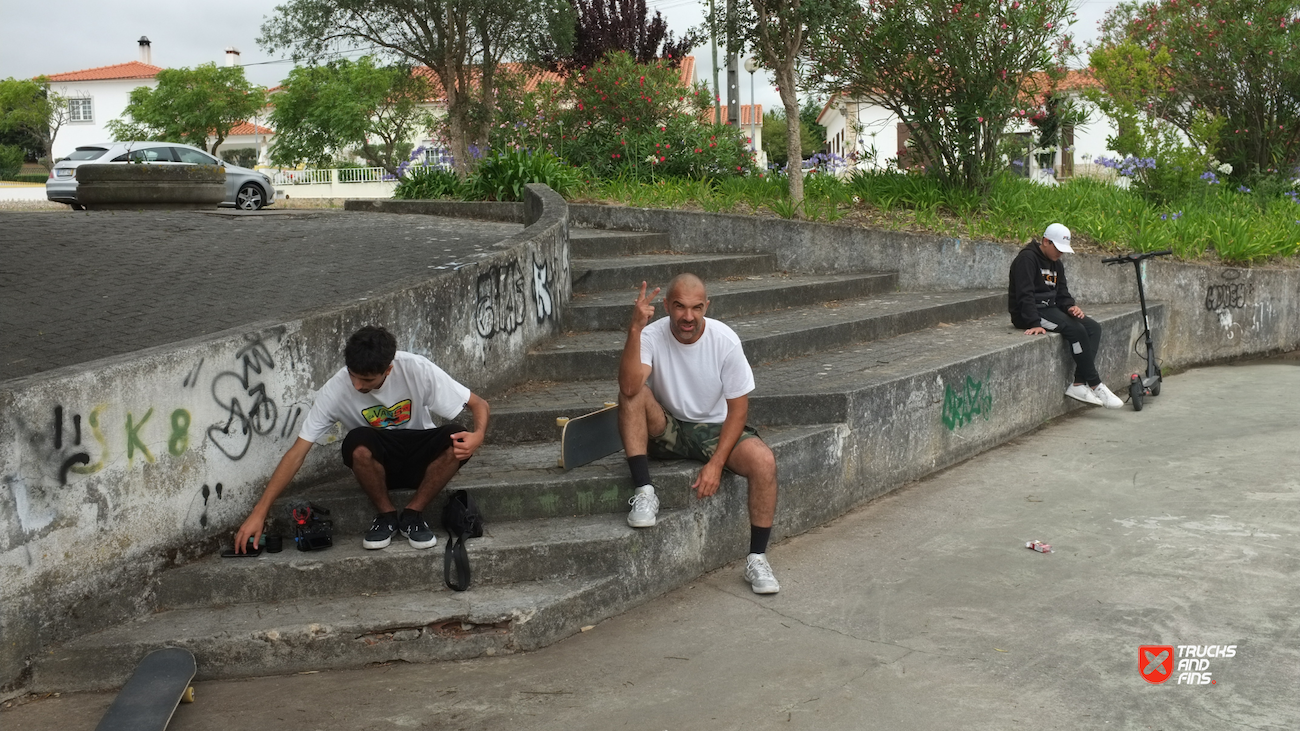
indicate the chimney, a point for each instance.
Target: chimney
{"x":232,"y":56}
{"x":146,"y":56}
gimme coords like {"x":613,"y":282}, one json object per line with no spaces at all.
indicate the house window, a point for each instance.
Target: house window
{"x":79,"y":110}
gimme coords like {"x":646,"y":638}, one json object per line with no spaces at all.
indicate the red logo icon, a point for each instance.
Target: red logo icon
{"x":1156,"y":662}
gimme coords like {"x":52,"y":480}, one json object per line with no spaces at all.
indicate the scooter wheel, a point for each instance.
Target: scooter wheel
{"x":1155,"y":388}
{"x":1135,"y":394}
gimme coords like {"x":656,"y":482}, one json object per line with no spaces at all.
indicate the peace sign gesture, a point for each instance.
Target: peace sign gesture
{"x":644,"y":310}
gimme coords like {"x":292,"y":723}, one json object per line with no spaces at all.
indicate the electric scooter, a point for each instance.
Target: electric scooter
{"x":1140,"y":387}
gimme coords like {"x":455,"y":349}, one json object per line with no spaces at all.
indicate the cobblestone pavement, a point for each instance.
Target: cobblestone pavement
{"x":75,"y":287}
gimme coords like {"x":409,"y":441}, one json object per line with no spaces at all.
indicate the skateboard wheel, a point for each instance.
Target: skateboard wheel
{"x":610,"y":404}
{"x":561,"y":421}
{"x":188,"y":695}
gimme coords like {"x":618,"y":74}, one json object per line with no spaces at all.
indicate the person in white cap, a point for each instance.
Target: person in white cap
{"x":1040,"y":302}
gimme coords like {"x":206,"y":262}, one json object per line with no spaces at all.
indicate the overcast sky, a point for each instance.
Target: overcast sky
{"x":71,"y":35}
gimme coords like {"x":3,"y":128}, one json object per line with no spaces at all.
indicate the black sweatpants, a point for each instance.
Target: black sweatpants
{"x":1082,"y":336}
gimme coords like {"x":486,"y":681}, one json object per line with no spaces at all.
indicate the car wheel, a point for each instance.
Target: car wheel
{"x":249,"y":198}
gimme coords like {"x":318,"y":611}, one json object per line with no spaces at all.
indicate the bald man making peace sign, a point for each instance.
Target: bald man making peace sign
{"x":693,"y":407}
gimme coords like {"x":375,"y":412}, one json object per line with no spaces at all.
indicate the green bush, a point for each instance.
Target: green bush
{"x":244,"y":157}
{"x":428,"y":183}
{"x":11,"y":161}
{"x":501,"y":176}
{"x":31,"y":178}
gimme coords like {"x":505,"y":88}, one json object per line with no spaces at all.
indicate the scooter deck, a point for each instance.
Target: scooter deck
{"x":149,"y":698}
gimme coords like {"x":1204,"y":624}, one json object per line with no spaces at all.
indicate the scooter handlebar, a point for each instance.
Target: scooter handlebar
{"x":1135,"y":256}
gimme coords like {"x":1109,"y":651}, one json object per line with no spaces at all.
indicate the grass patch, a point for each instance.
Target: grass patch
{"x":1214,"y":223}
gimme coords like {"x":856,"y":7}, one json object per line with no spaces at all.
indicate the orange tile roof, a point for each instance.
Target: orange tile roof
{"x":132,"y":70}
{"x":248,"y":128}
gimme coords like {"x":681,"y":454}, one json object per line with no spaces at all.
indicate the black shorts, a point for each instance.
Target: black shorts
{"x":404,"y":453}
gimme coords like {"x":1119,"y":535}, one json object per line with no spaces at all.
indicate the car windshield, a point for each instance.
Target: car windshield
{"x":86,"y":153}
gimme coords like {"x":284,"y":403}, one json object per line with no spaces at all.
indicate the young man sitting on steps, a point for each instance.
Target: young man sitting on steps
{"x":383,"y":397}
{"x":694,"y":407}
{"x":1040,"y":302}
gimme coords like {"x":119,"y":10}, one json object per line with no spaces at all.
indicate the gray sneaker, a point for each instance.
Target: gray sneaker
{"x":758,"y":572}
{"x":645,"y":506}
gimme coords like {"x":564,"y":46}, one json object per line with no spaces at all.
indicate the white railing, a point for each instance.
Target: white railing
{"x":363,"y":175}
{"x":301,"y":177}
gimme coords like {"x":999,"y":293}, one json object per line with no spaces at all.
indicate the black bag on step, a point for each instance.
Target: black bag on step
{"x":461,"y":519}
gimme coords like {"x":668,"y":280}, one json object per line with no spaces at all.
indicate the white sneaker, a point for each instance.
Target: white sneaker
{"x":645,"y":506}
{"x":759,"y":574}
{"x":1081,"y":392}
{"x":1108,"y":399}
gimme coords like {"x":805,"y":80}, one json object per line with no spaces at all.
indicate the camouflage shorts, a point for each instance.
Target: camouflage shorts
{"x":687,"y":439}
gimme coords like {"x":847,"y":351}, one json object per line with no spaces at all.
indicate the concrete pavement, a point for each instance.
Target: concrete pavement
{"x":921,"y":610}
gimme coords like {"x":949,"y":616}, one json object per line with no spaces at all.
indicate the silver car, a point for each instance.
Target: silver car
{"x":246,"y":189}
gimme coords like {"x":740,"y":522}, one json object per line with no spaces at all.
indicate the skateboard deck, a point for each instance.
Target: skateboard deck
{"x":589,"y":437}
{"x":149,"y":698}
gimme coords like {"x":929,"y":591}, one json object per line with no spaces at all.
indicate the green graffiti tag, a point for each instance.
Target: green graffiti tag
{"x":180,"y":439}
{"x":961,"y":407}
{"x":133,"y":441}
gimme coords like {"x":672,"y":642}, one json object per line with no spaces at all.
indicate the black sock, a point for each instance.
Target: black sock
{"x":640,"y":466}
{"x":758,"y":538}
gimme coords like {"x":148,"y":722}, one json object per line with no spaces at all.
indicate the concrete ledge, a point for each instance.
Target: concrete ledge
{"x":112,"y":470}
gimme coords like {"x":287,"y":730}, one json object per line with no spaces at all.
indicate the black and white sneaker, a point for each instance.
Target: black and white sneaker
{"x":381,"y":531}
{"x":417,"y":530}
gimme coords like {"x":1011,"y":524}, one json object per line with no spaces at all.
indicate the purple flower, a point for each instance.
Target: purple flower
{"x":1242,"y":189}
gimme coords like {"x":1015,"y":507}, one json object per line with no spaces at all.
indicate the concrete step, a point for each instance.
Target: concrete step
{"x":509,"y":552}
{"x":803,"y":390}
{"x":735,"y":297}
{"x":315,"y":633}
{"x":521,"y":482}
{"x":593,"y":243}
{"x":778,"y":335}
{"x":626,"y":272}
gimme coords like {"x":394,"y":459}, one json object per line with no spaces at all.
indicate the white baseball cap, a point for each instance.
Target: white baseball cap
{"x":1059,"y":235}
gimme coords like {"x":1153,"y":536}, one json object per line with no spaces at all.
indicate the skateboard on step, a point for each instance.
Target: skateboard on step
{"x":149,"y":698}
{"x":589,"y":437}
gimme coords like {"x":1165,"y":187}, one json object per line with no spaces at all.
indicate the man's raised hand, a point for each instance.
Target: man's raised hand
{"x":644,"y":309}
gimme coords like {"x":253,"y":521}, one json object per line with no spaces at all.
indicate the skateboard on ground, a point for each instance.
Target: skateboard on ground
{"x":149,"y":698}
{"x":589,"y":437}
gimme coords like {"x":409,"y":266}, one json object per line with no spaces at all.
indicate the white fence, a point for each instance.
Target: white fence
{"x":335,"y":183}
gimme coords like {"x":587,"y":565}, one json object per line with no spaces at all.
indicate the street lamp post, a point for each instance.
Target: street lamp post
{"x":751,"y":65}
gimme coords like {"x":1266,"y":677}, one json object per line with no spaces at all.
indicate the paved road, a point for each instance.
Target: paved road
{"x":75,"y":287}
{"x":1178,"y":525}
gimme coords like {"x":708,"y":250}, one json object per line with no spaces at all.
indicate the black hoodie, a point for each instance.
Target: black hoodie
{"x":1036,"y":281}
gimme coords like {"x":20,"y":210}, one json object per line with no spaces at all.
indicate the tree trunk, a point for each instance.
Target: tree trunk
{"x":793,"y":143}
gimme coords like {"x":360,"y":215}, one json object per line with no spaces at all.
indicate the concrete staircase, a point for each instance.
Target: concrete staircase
{"x":833,"y":354}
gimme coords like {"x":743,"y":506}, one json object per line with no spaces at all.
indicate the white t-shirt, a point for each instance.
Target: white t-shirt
{"x":694,"y":381}
{"x":414,"y":388}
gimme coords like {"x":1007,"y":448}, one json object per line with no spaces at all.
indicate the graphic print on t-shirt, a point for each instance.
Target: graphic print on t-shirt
{"x":1049,"y":276}
{"x":382,"y":417}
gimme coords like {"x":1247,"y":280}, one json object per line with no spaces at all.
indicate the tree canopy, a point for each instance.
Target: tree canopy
{"x":190,"y":106}
{"x":602,"y":26}
{"x":462,"y":42}
{"x":321,"y":111}
{"x":31,"y":114}
{"x":956,"y":72}
{"x":1234,"y":59}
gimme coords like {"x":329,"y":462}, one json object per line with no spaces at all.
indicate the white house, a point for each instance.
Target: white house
{"x":871,"y":137}
{"x":97,"y":96}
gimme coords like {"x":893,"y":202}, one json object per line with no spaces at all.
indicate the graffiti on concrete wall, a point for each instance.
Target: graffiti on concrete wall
{"x":241,"y":394}
{"x":1226,"y":291}
{"x":542,"y":292}
{"x":961,"y":405}
{"x":501,"y":300}
{"x":85,"y":442}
